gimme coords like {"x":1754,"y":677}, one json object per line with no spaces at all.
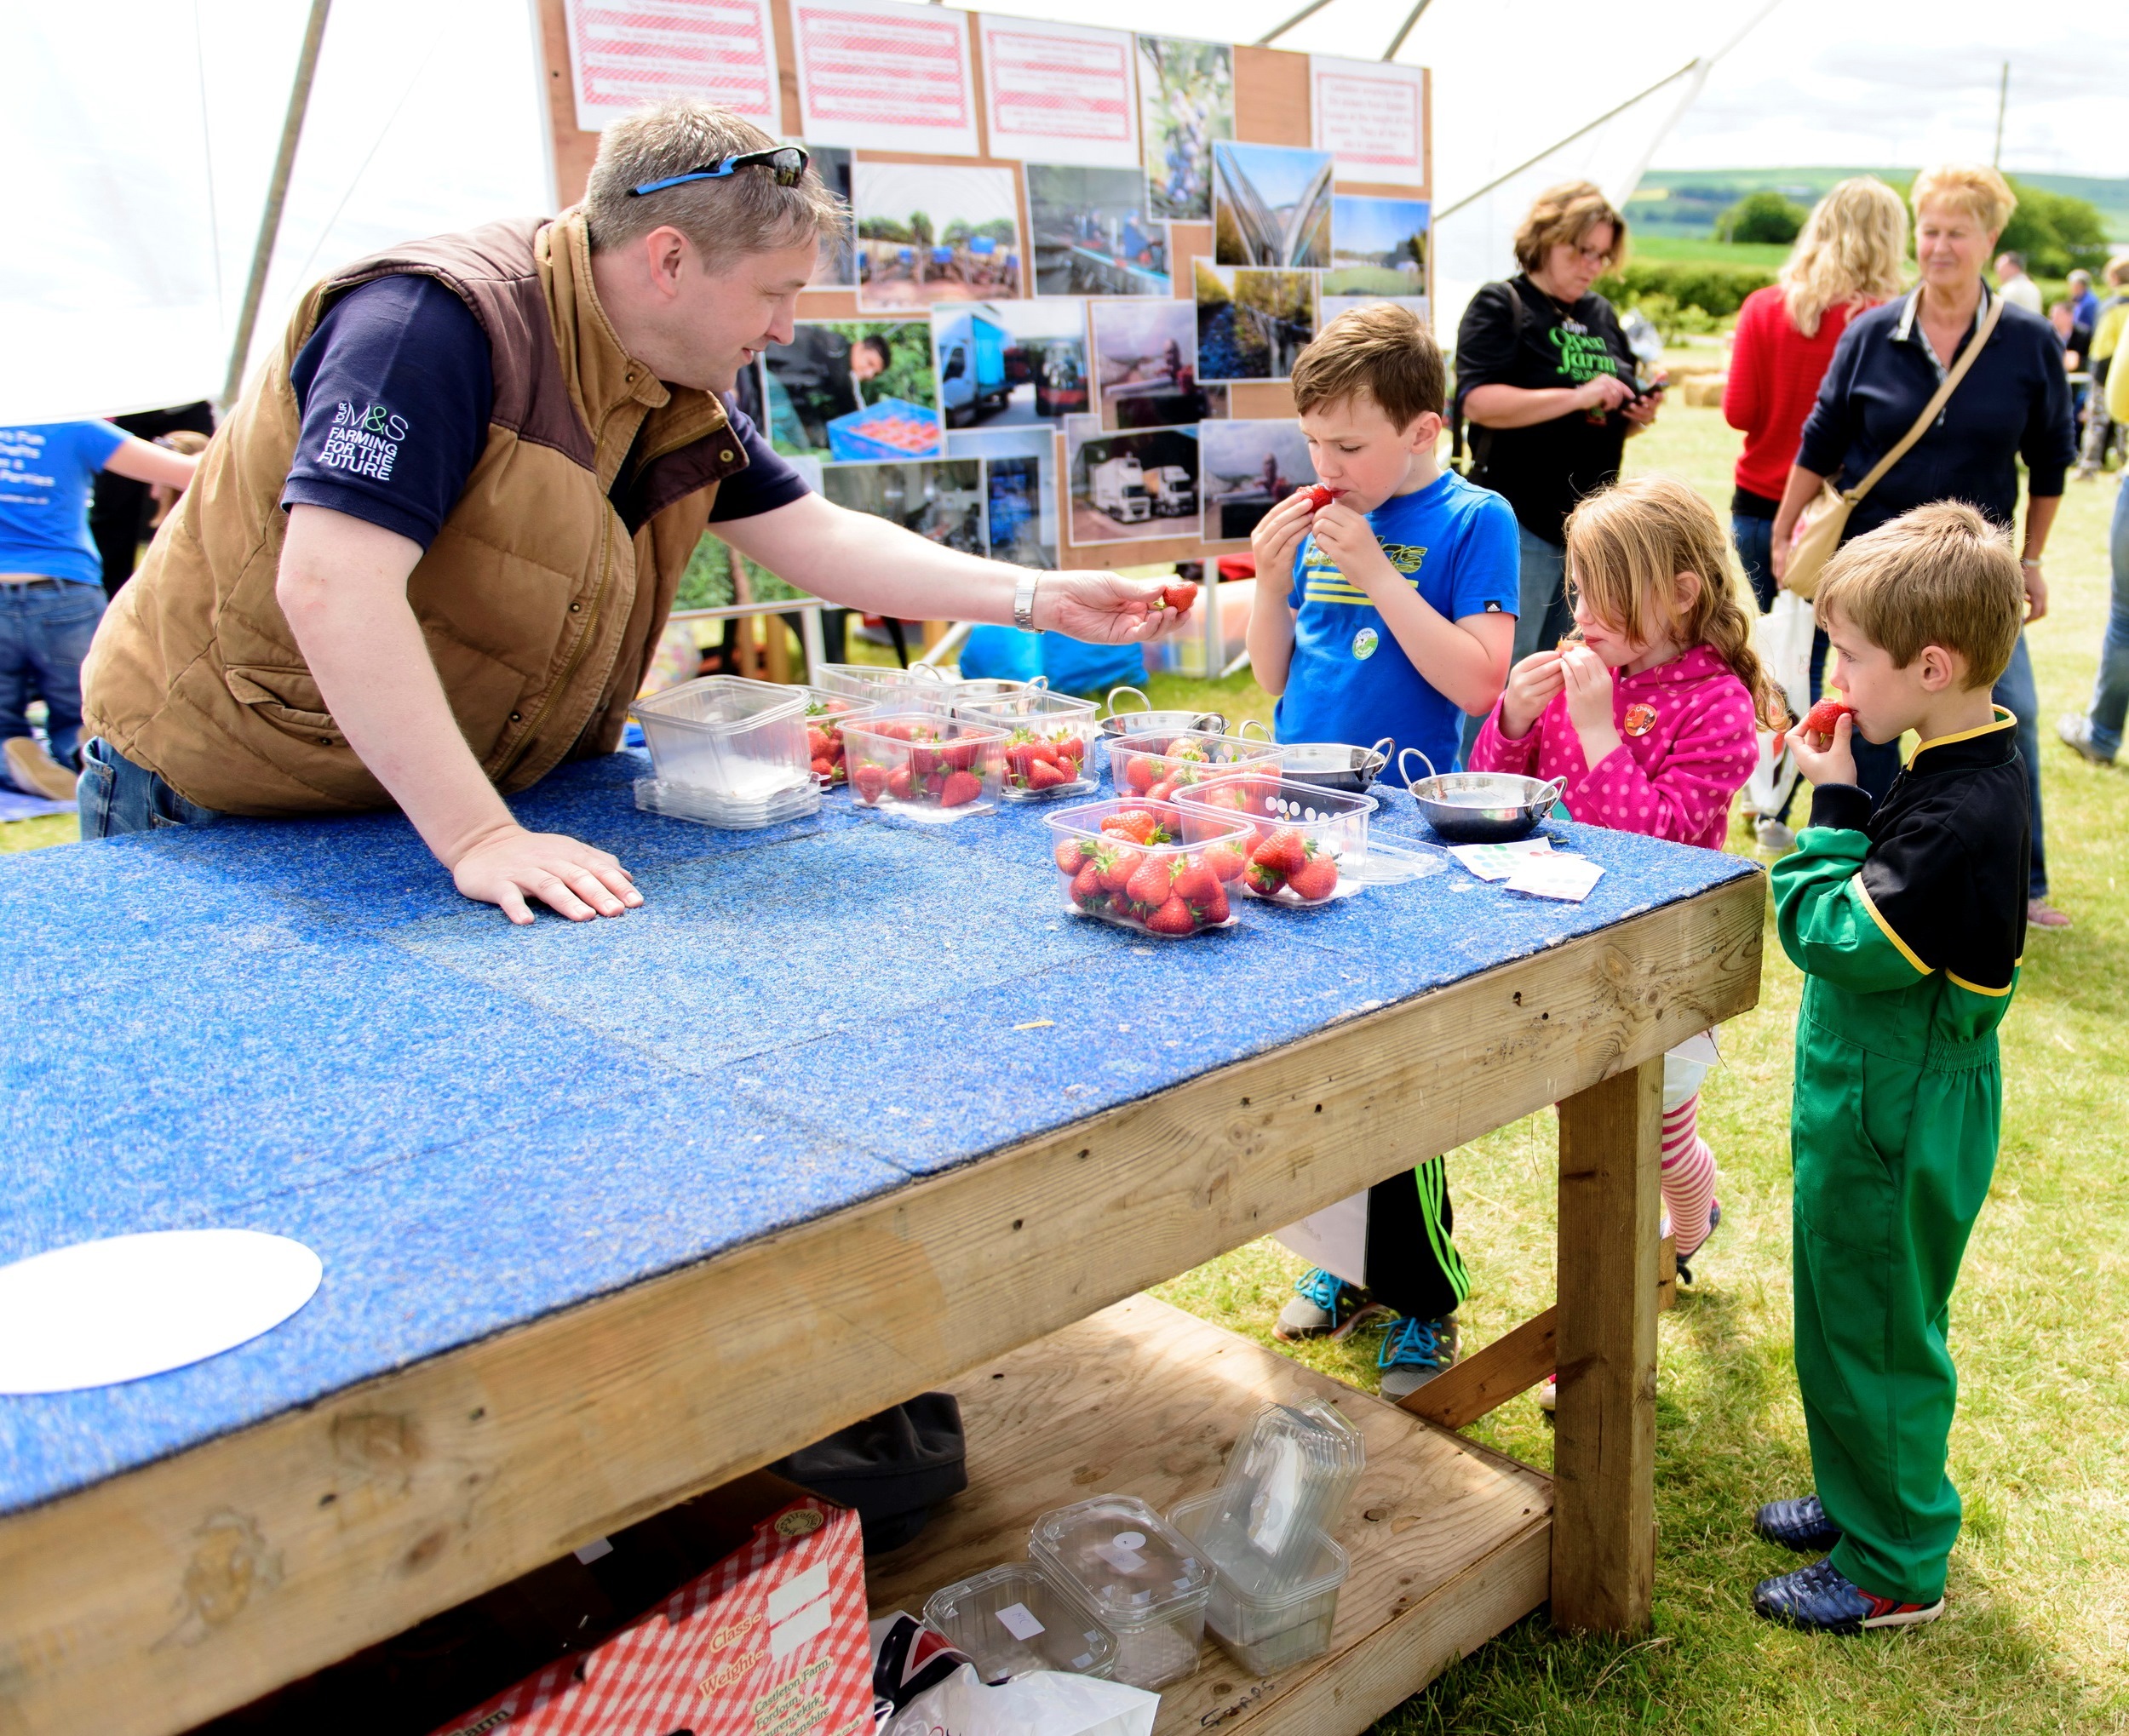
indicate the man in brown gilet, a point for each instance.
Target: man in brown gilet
{"x":430,"y":553}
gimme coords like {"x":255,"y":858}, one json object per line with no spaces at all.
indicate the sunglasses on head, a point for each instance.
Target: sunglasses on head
{"x":785,"y":165}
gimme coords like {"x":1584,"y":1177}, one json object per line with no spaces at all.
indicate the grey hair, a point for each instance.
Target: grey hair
{"x":744,"y":213}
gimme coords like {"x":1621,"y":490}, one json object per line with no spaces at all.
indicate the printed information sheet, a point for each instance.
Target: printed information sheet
{"x":880,"y":75}
{"x":647,"y":50}
{"x":1372,"y":117}
{"x":1058,"y":93}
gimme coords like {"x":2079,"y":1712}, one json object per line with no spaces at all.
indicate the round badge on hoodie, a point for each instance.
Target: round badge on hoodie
{"x":1640,"y":718}
{"x":1364,"y":643}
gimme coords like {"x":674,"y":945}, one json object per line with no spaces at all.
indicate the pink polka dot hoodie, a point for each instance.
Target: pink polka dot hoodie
{"x":1674,"y":780}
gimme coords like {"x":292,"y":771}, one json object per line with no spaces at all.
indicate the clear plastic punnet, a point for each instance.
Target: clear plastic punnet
{"x":1142,"y":1579}
{"x":727,"y":734}
{"x":920,"y":686}
{"x":1274,"y":1631}
{"x":1049,"y":741}
{"x":1305,"y":834}
{"x":826,"y":713}
{"x":1127,"y":863}
{"x":1013,"y":1618}
{"x":924,"y":764}
{"x":1138,"y":768}
{"x":1289,"y":1477}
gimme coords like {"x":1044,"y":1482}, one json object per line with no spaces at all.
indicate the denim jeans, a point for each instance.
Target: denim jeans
{"x":1754,"y":538}
{"x":2016,"y":694}
{"x":45,"y":627}
{"x":115,"y":796}
{"x":2110,"y":692}
{"x":1544,"y":616}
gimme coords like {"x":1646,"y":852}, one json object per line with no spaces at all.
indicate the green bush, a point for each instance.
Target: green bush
{"x":1764,"y":216}
{"x":1717,"y":290}
{"x":2057,"y":232}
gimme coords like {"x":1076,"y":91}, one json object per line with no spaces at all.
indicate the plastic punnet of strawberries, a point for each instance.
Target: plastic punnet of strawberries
{"x":1134,"y":875}
{"x":825,"y":741}
{"x":939,"y":768}
{"x":1288,"y":861}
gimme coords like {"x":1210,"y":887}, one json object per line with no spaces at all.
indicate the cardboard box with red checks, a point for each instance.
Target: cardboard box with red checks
{"x":770,"y":1641}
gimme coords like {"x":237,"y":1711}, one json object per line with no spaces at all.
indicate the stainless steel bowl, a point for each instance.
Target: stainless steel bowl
{"x":1148,"y":722}
{"x":1480,"y":807}
{"x":1336,"y":766}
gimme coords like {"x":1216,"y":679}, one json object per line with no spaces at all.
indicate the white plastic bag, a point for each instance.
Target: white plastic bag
{"x":1042,"y":1703}
{"x":1783,"y":641}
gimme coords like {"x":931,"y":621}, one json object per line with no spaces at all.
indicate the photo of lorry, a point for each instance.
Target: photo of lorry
{"x":1118,"y":487}
{"x":972,"y":368}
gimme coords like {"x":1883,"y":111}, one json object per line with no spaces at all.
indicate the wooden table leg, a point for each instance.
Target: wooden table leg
{"x":1604,"y":1449}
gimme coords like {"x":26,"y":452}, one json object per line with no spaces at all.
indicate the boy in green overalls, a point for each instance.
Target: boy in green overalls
{"x":1908,"y":920}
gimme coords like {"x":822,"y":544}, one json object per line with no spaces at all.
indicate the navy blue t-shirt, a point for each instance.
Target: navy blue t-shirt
{"x":396,"y":386}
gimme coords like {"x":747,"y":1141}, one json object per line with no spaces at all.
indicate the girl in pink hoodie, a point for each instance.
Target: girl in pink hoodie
{"x":1652,"y":720}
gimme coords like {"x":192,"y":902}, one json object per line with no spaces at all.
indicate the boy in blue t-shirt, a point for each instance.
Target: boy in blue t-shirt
{"x":52,"y":582}
{"x":1398,"y":622}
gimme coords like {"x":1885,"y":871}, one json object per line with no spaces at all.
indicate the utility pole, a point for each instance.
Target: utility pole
{"x":2003,"y":96}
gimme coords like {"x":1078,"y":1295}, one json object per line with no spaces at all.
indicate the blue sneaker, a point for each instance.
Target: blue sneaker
{"x":1800,"y":1524}
{"x":1821,"y":1600}
{"x":1414,"y":1351}
{"x":1325,"y":1306}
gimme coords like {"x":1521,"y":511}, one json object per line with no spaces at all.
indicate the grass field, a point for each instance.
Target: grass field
{"x":1699,"y":249}
{"x":2038,"y":1633}
{"x":2037,"y":1629}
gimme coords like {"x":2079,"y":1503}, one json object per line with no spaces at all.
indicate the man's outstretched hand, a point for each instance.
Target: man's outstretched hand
{"x":577,"y":880}
{"x":1103,"y":609}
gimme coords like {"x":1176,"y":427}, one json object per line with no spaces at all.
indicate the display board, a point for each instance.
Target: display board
{"x":1083,"y":261}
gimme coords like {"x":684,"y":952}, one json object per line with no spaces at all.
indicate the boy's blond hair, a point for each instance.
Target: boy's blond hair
{"x":1626,"y":546}
{"x":1941,"y":575}
{"x":1381,"y":352}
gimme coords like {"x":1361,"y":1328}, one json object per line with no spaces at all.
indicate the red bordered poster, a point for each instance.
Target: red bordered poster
{"x":1372,"y":117}
{"x":1056,"y":92}
{"x":876,"y":75}
{"x":624,"y":55}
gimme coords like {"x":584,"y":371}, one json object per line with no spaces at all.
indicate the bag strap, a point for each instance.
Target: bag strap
{"x":1482,"y":437}
{"x":1930,"y":410}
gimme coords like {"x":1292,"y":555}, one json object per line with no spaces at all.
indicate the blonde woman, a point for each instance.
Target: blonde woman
{"x":1851,"y":255}
{"x":2014,"y":403}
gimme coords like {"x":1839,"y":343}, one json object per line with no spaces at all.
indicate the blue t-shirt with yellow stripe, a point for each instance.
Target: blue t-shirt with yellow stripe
{"x":1350,"y":681}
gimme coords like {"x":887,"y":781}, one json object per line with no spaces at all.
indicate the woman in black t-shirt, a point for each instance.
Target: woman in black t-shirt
{"x":1545,"y":376}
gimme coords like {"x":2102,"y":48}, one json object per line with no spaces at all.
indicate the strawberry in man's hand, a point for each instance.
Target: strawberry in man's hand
{"x":1179,"y":598}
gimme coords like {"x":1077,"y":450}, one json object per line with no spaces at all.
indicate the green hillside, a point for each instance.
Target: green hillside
{"x":1685,"y":203}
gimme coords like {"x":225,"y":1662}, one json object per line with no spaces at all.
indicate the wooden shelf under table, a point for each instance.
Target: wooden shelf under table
{"x":1450,"y":1543}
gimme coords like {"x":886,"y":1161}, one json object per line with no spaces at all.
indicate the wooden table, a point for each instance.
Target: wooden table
{"x":741,"y":1204}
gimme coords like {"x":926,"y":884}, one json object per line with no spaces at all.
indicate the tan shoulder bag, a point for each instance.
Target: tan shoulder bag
{"x":1819,"y":533}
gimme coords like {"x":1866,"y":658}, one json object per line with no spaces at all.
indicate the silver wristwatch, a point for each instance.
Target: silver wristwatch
{"x":1023,"y":600}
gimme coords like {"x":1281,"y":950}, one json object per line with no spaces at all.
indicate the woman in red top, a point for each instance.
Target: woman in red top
{"x":1851,"y":255}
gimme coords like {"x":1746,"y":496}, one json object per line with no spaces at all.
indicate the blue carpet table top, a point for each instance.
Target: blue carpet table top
{"x":303,"y":1027}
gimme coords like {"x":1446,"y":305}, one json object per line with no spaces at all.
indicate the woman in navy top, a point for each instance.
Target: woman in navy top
{"x":2014,"y":403}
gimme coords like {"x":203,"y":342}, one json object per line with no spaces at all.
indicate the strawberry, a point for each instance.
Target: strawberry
{"x":1194,"y":883}
{"x":870,"y":780}
{"x":901,"y":785}
{"x":1227,"y":861}
{"x":1161,"y":791}
{"x":1283,"y":852}
{"x":1818,"y":721}
{"x":823,"y":768}
{"x":1315,"y":880}
{"x":1047,"y":775}
{"x":1139,"y":773}
{"x":816,"y":743}
{"x":1070,"y":854}
{"x":959,"y":756}
{"x":960,"y":788}
{"x":1213,"y":910}
{"x":1151,"y":882}
{"x":1319,"y":496}
{"x":1121,"y":906}
{"x":923,"y":762}
{"x":1172,"y":917}
{"x":1135,"y":822}
{"x":1071,"y":748}
{"x":1021,"y":765}
{"x":1118,"y":867}
{"x":1179,"y":598}
{"x":1265,"y":881}
{"x":1087,"y":891}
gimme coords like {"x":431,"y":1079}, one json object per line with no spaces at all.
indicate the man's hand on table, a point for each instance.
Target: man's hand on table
{"x":574,"y":879}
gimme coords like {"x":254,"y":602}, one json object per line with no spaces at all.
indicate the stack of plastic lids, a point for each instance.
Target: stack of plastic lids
{"x":726,"y":752}
{"x":1266,"y":1533}
{"x":1139,"y":1578}
{"x":1012,"y":1620}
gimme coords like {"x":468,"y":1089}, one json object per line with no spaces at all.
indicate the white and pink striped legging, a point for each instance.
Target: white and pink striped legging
{"x":1689,"y":1167}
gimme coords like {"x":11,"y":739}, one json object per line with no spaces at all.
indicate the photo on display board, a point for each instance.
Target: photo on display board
{"x":1005,"y":365}
{"x":1019,"y":490}
{"x":838,"y":266}
{"x":1090,"y":233}
{"x":942,"y":501}
{"x":1250,"y":468}
{"x":1139,"y":487}
{"x":1271,"y":206}
{"x":1186,"y":102}
{"x":1146,"y":365}
{"x":853,"y":389}
{"x":930,"y":233}
{"x":1251,"y":324}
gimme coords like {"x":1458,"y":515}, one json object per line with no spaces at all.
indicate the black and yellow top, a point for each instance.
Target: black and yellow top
{"x":1909,"y":920}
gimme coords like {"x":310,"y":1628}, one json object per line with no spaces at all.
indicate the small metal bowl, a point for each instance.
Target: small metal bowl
{"x":1480,"y":807}
{"x":1336,"y":766}
{"x":1148,"y":722}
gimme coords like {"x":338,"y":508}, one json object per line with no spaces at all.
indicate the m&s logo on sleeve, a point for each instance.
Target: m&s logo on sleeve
{"x":364,"y":440}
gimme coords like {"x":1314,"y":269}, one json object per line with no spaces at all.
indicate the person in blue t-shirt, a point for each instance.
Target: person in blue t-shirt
{"x":52,"y":580}
{"x":1398,"y":621}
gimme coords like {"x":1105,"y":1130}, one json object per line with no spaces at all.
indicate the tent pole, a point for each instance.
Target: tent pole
{"x":277,"y":197}
{"x":1404,"y":29}
{"x":1560,"y":144}
{"x":1278,"y":31}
